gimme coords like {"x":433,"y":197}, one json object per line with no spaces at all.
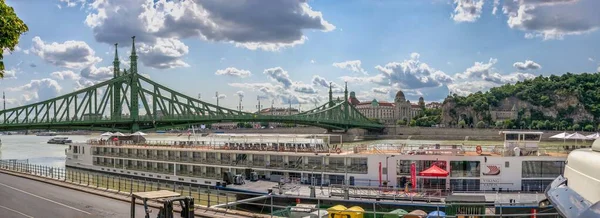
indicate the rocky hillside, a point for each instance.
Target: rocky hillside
{"x":557,"y":101}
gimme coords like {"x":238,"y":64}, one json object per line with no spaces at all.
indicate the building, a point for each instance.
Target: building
{"x":387,"y":112}
{"x":433,"y":105}
{"x":503,"y":113}
{"x":383,"y":111}
{"x":403,"y":107}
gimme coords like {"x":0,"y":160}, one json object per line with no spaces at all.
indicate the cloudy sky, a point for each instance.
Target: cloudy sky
{"x":290,"y":50}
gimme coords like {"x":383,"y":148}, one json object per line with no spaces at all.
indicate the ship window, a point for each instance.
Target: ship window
{"x":143,"y":174}
{"x":158,"y":176}
{"x":181,"y":179}
{"x":542,"y":169}
{"x":166,"y":177}
{"x":464,"y":169}
{"x":82,"y":150}
{"x":193,"y":180}
{"x":134,"y":173}
{"x":506,"y":164}
{"x":535,"y":184}
{"x":512,"y":136}
{"x":207,"y":182}
{"x":75,"y":149}
{"x":150,"y":175}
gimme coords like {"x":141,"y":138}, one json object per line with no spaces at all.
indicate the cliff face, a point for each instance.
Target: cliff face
{"x":570,"y":106}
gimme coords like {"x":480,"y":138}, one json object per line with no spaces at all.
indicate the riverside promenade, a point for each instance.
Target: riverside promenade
{"x":26,"y":195}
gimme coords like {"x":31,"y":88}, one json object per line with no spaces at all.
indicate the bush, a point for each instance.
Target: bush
{"x":480,"y":125}
{"x":589,"y":128}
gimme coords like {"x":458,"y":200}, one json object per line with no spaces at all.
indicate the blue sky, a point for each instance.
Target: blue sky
{"x":286,"y":50}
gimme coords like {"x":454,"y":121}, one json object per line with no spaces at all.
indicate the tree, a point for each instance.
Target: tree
{"x":462,"y":123}
{"x":480,"y":125}
{"x":589,"y":128}
{"x":576,"y":127}
{"x":11,"y":28}
{"x":401,"y":122}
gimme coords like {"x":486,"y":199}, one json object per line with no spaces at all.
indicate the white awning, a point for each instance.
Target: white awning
{"x":562,"y":135}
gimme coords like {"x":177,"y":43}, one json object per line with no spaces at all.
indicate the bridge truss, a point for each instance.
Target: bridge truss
{"x":130,"y":102}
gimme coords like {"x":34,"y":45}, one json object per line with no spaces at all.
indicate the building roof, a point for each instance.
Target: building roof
{"x":415,"y":106}
{"x":400,"y":96}
{"x":380,"y":103}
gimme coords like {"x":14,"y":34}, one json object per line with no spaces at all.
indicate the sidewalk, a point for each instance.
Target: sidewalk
{"x":200,"y":210}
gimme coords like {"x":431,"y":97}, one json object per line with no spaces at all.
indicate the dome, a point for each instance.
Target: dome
{"x":400,"y":96}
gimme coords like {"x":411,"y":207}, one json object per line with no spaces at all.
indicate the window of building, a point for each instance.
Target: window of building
{"x":506,"y":164}
{"x":542,"y":169}
{"x":535,"y":184}
{"x":464,"y":169}
{"x":465,"y":184}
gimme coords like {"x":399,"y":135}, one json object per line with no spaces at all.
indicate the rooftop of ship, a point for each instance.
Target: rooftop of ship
{"x":318,"y":144}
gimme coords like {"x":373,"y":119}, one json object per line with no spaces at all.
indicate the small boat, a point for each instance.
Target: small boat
{"x":46,"y":134}
{"x":60,"y":140}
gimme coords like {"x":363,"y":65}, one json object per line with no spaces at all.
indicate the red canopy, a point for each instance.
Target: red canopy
{"x":434,"y":171}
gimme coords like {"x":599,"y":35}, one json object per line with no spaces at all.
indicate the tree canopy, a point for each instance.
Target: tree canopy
{"x":544,"y":92}
{"x":11,"y":28}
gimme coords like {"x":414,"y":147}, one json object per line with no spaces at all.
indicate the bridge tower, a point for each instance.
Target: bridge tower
{"x":346,"y":109}
{"x":134,"y":88}
{"x":116,"y":103}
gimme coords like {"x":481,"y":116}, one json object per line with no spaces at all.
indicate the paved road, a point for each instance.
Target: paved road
{"x":23,"y":198}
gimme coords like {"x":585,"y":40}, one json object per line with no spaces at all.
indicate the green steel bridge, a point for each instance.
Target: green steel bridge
{"x":130,"y":102}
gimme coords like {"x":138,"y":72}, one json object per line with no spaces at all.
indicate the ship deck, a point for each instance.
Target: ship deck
{"x":307,"y":148}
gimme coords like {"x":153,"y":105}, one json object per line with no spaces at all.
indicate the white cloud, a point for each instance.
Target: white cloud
{"x":304,"y":88}
{"x":279,"y":75}
{"x":322,"y":82}
{"x":66,"y":74}
{"x":482,"y":76}
{"x":467,"y":87}
{"x":249,"y":24}
{"x":11,"y":74}
{"x":381,"y":90}
{"x":527,"y":65}
{"x":496,"y":4}
{"x":413,"y":74}
{"x":353,"y":66}
{"x":164,"y":54}
{"x":232,"y":71}
{"x":97,"y":74}
{"x":591,"y":59}
{"x":312,"y":61}
{"x":487,"y":72}
{"x":70,"y":54}
{"x":467,"y":10}
{"x":598,"y":70}
{"x":240,"y":94}
{"x":378,"y":79}
{"x":39,"y":90}
{"x":552,"y":19}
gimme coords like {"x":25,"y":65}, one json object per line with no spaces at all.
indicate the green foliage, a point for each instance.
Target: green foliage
{"x":576,"y":127}
{"x":480,"y":125}
{"x":462,"y":123}
{"x":540,"y":91}
{"x":11,"y":28}
{"x":413,"y":123}
{"x":401,"y":122}
{"x":427,"y":121}
{"x":588,"y":128}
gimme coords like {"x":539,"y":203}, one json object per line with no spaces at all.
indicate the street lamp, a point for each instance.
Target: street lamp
{"x":387,"y":170}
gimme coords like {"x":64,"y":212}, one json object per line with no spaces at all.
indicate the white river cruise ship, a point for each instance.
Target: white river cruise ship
{"x":518,"y":164}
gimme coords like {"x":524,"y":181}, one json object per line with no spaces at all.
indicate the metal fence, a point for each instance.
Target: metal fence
{"x":119,"y":183}
{"x":270,"y":205}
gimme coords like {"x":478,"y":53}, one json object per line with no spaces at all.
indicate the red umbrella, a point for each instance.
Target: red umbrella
{"x":434,"y":171}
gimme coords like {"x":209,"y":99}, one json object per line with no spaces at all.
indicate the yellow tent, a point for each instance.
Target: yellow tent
{"x":337,"y":211}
